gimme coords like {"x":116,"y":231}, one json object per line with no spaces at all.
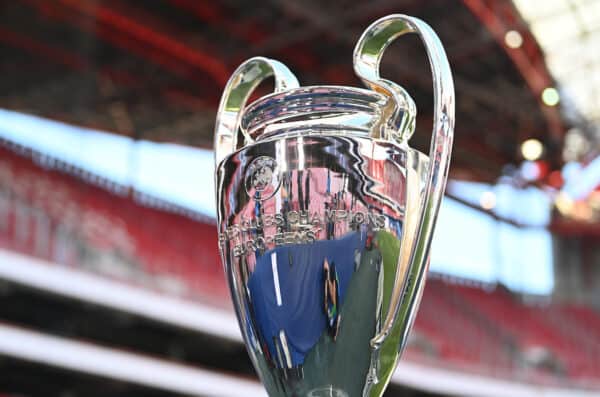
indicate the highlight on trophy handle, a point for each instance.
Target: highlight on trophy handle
{"x":242,"y":82}
{"x":367,"y":57}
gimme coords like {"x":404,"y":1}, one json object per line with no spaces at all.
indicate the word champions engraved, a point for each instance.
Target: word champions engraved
{"x":293,"y":227}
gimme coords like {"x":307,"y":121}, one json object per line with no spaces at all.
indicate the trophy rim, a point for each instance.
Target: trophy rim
{"x":314,"y":102}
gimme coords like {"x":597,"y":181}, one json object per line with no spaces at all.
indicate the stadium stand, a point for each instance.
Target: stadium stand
{"x":104,"y":228}
{"x":101,"y":228}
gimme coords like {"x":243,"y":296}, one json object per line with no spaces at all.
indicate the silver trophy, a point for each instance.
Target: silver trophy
{"x":326,"y":215}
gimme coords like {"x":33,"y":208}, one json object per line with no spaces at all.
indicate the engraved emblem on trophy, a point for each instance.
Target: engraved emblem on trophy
{"x":326,"y":215}
{"x":262,"y":178}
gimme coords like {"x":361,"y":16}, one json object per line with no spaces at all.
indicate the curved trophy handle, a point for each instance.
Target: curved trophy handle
{"x":242,"y":82}
{"x":368,"y":52}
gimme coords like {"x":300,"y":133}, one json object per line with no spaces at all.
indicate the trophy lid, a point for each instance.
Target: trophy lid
{"x":319,"y":109}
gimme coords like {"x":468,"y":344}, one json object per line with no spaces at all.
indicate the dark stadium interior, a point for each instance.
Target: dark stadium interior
{"x":156,"y":72}
{"x":86,"y":260}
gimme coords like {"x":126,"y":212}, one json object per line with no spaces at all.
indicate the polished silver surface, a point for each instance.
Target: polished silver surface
{"x":326,"y":215}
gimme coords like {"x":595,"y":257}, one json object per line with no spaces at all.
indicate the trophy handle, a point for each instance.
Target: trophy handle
{"x":368,"y":52}
{"x":242,"y":82}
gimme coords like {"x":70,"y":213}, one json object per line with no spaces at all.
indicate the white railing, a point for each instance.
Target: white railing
{"x":75,"y":284}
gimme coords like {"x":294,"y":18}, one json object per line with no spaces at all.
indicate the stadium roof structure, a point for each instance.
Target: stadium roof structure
{"x":157,"y":71}
{"x":569,"y":33}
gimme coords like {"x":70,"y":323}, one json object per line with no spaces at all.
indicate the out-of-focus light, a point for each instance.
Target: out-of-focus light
{"x":488,"y":200}
{"x":571,"y":170}
{"x":530,"y":171}
{"x":555,"y":179}
{"x":582,"y":212}
{"x":564,"y":203}
{"x":594,"y":200}
{"x":513,"y":39}
{"x":532,"y":149}
{"x":550,"y":96}
{"x":576,"y":145}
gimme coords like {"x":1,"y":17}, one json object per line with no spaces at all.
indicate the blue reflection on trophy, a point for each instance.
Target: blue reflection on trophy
{"x":297,"y":293}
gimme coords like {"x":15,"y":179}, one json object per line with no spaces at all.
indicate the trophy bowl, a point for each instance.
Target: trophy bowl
{"x":325,"y":217}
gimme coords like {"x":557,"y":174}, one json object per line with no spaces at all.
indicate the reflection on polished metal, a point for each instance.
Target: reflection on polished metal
{"x":325,"y":216}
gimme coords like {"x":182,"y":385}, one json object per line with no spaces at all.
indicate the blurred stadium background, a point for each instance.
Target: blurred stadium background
{"x":110,"y":282}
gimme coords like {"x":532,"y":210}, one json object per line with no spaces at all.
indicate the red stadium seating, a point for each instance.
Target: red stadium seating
{"x":497,"y":331}
{"x":56,"y":212}
{"x":458,"y":334}
{"x":47,"y":213}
